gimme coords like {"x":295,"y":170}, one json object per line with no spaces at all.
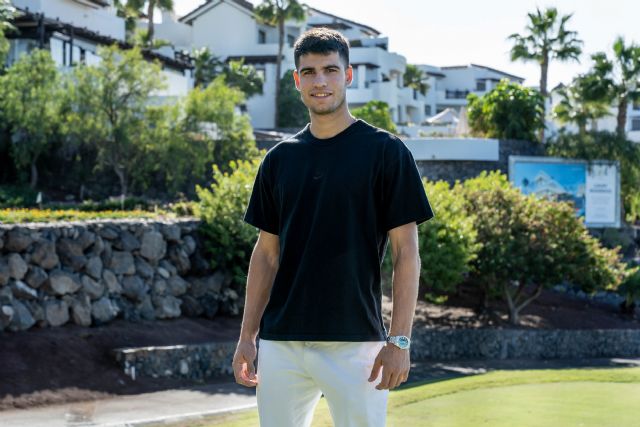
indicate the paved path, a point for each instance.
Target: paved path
{"x":196,"y":402}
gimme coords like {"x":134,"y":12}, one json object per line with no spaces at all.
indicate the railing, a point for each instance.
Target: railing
{"x":456,"y":94}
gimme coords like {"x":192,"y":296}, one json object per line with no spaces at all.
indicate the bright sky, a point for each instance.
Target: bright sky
{"x":458,"y":32}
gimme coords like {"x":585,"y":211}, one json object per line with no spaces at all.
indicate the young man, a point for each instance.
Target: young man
{"x":325,"y":201}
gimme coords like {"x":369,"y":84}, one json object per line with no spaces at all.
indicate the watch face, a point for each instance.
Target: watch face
{"x":403,"y":342}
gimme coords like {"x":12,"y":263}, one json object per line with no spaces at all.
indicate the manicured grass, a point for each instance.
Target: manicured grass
{"x":532,"y":398}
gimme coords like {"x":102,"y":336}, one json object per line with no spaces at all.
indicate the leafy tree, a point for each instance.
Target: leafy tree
{"x":211,"y":132}
{"x":7,"y":12}
{"x":577,"y":106}
{"x":237,"y":73}
{"x":508,"y":111}
{"x":293,"y":112}
{"x":616,"y":79}
{"x":545,"y":39}
{"x":415,"y":78}
{"x":108,"y":104}
{"x":528,"y":244}
{"x":30,"y":101}
{"x":276,"y":13}
{"x":377,"y":114}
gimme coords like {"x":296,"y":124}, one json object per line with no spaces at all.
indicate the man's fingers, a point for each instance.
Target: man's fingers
{"x":375,"y":371}
{"x":251,"y":370}
{"x":387,"y":377}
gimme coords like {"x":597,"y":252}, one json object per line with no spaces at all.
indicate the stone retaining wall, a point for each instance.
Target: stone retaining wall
{"x":91,"y":272}
{"x":523,"y":343}
{"x":202,"y":361}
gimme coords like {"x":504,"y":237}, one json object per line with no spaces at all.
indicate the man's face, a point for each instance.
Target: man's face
{"x":322,"y":81}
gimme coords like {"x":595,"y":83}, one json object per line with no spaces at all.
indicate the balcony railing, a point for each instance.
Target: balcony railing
{"x":456,"y":94}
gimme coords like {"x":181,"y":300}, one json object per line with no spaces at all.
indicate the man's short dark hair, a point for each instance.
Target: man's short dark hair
{"x":323,"y":41}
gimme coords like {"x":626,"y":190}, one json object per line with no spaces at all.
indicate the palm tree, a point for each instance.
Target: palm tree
{"x":415,"y":78}
{"x":151,"y":6}
{"x":616,"y":80}
{"x":276,"y":13}
{"x":132,"y":10}
{"x":579,"y":106}
{"x":545,"y":39}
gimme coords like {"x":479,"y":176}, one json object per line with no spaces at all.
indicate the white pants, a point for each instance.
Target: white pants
{"x":292,"y":376}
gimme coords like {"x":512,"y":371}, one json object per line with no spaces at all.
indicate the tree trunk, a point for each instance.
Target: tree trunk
{"x":515,"y":303}
{"x":150,"y":9}
{"x":544,"y":70}
{"x":122,"y":178}
{"x":279,"y":68}
{"x":34,"y":174}
{"x":623,"y":103}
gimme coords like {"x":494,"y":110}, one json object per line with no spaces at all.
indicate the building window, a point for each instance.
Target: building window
{"x":290,"y":40}
{"x":635,"y":123}
{"x":636,"y":105}
{"x":481,"y":85}
{"x":427,"y":110}
{"x":262,"y":37}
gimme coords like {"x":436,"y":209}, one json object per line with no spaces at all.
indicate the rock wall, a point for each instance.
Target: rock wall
{"x":90,"y":273}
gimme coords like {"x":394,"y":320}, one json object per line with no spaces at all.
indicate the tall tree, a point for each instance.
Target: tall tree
{"x":578,"y":106}
{"x":276,"y":13}
{"x":416,"y":79}
{"x":616,"y":80}
{"x":30,"y":102}
{"x":544,"y":40}
{"x":109,"y":103}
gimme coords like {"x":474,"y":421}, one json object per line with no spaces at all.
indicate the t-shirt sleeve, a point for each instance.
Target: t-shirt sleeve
{"x":262,"y":210}
{"x":404,"y":199}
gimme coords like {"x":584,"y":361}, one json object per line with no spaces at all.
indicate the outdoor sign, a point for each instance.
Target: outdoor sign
{"x":592,"y":187}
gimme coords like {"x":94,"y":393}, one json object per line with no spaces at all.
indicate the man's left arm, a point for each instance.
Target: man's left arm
{"x":395,"y":362}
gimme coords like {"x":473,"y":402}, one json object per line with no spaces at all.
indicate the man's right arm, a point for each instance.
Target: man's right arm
{"x":262,"y":271}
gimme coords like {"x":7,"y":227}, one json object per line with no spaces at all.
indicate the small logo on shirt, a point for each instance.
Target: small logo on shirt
{"x":318,"y":176}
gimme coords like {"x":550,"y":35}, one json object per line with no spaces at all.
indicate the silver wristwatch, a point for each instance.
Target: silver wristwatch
{"x":399,"y":341}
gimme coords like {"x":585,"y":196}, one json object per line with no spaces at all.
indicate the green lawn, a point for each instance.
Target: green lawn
{"x":544,"y":398}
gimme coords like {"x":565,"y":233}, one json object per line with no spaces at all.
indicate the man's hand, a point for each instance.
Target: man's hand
{"x":395,"y":366}
{"x":243,"y":367}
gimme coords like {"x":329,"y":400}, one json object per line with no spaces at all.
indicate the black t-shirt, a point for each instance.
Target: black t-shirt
{"x":331,"y":202}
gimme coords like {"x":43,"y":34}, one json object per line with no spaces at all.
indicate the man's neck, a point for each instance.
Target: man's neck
{"x":329,"y":125}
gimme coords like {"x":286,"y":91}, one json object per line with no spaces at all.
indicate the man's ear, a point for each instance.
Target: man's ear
{"x":349,"y":74}
{"x":296,"y":79}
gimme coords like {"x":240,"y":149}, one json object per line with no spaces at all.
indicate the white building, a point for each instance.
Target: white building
{"x":377,"y":72}
{"x":449,"y":86}
{"x":74,"y":29}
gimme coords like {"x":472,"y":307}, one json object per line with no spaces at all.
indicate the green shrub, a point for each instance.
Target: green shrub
{"x":228,"y":240}
{"x":530,"y":242}
{"x":447,"y":244}
{"x":17,"y":196}
{"x":630,"y":289}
